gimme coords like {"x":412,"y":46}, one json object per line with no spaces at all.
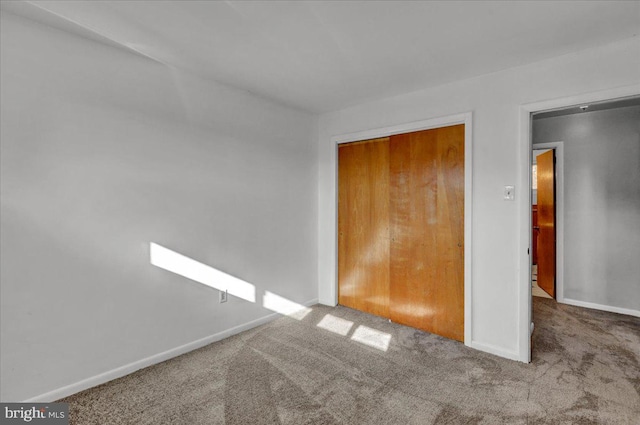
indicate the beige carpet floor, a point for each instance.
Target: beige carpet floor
{"x":585,"y":370}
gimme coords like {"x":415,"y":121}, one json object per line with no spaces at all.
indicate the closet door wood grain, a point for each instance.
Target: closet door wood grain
{"x":426,"y":213}
{"x":363,"y":226}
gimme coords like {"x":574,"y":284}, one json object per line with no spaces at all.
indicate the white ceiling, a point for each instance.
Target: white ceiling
{"x":322,"y":56}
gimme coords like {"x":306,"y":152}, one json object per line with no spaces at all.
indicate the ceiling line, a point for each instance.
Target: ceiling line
{"x":97,"y":32}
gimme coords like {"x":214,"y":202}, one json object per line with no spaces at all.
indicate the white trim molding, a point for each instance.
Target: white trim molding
{"x":467,"y":120}
{"x":127,"y":369}
{"x":494,"y":349}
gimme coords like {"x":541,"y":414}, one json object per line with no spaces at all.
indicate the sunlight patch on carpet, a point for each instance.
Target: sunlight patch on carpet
{"x":335,"y":324}
{"x":372,"y":337}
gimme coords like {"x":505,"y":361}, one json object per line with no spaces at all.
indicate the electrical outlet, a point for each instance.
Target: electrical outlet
{"x":223,"y":296}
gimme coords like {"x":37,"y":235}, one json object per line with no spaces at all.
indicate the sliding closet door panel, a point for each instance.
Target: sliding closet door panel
{"x":426,"y":212}
{"x":363,"y":226}
{"x":450,"y":201}
{"x":413,"y":227}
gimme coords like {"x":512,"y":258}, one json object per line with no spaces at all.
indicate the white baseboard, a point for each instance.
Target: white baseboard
{"x":151,"y":360}
{"x":498,"y":351}
{"x":602,"y":307}
{"x":328,"y":302}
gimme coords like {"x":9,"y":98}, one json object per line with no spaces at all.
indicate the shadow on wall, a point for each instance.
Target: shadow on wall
{"x":179,"y":264}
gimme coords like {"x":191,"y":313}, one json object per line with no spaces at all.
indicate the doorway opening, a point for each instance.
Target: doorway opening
{"x":599,"y":203}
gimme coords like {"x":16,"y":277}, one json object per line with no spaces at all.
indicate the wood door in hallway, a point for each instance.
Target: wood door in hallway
{"x":546,"y":222}
{"x":401,"y":229}
{"x":363,"y":226}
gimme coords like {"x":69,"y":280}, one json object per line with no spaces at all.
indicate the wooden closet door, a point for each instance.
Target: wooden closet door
{"x":426,"y":212}
{"x":363,"y":226}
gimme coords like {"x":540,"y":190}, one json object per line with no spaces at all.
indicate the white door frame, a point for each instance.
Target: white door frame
{"x":466,"y":119}
{"x":558,"y":148}
{"x":524,"y":205}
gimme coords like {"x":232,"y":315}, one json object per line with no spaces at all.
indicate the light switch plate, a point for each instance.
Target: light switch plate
{"x":509,"y":193}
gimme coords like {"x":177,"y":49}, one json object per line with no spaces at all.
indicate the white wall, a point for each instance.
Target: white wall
{"x":104,"y":152}
{"x":495,"y":99}
{"x":601,"y":204}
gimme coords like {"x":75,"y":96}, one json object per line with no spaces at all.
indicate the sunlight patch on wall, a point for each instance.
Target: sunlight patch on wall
{"x":191,"y":269}
{"x":335,"y":324}
{"x":284,"y":306}
{"x":371,"y":337}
